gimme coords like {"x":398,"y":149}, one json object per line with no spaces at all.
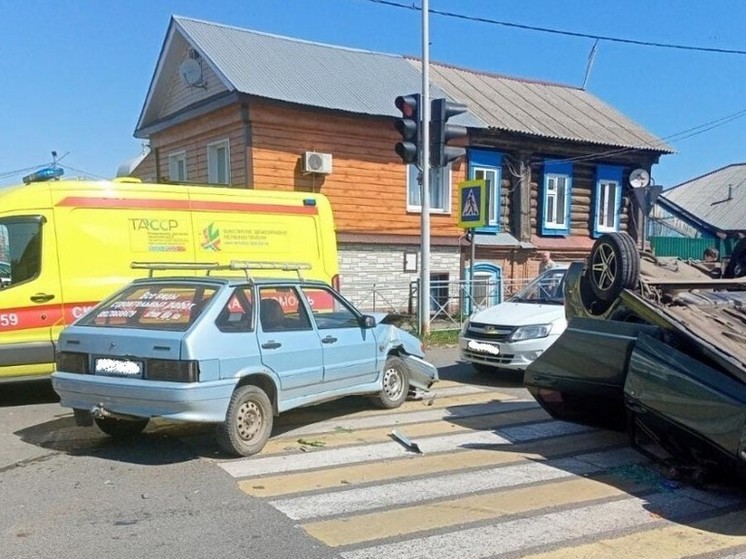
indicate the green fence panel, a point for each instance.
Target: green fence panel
{"x":686,"y":248}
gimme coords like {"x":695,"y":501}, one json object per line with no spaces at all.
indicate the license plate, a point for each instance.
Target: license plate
{"x":118,"y":367}
{"x":483,"y":348}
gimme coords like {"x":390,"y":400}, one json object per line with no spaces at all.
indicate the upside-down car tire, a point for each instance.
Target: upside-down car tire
{"x":614,"y":265}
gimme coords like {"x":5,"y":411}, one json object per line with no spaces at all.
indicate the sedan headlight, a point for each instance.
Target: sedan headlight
{"x":531,"y":332}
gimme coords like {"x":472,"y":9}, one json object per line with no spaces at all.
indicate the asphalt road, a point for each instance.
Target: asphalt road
{"x":495,"y":478}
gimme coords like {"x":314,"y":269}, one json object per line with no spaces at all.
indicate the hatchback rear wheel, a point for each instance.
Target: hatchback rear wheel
{"x":248,"y":422}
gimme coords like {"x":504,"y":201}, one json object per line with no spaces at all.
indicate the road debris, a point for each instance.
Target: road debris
{"x":306,"y":442}
{"x":406,"y":441}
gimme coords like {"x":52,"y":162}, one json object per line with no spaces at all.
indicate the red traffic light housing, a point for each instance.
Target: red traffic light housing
{"x":441,"y":154}
{"x":409,"y":127}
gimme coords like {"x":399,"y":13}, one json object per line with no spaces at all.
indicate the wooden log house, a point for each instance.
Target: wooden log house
{"x":247,"y":109}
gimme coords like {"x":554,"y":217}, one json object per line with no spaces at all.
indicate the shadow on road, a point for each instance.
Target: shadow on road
{"x":23,"y":393}
{"x":562,"y":451}
{"x":465,"y":374}
{"x":160,"y":444}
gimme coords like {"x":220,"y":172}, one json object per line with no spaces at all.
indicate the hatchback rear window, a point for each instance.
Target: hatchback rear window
{"x":152,"y":307}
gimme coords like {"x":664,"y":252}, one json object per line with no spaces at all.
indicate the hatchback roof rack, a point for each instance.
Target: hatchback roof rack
{"x":245,"y":265}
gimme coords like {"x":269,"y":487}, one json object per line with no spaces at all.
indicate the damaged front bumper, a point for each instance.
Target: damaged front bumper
{"x":422,"y":374}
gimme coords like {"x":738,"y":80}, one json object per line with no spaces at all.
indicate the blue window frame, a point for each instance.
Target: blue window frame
{"x":555,"y":199}
{"x":487,"y":165}
{"x":487,"y":287}
{"x":440,"y":190}
{"x":607,"y":202}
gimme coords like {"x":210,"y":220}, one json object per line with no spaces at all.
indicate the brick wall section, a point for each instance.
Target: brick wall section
{"x":365,"y":269}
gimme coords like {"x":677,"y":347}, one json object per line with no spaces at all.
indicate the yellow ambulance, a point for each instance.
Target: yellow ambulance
{"x":67,"y":244}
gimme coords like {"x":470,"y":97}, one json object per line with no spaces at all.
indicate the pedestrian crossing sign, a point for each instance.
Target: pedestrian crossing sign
{"x":472,"y":197}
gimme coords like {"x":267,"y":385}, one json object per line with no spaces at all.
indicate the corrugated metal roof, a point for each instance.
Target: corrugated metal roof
{"x":307,"y":73}
{"x":364,"y":82}
{"x":542,"y":109}
{"x":717,"y":198}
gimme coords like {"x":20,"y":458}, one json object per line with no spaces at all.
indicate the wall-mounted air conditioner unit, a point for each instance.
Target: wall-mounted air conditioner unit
{"x":314,"y":162}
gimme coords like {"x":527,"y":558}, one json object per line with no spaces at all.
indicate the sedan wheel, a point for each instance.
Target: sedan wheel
{"x":248,"y":422}
{"x":395,"y":384}
{"x":614,"y":265}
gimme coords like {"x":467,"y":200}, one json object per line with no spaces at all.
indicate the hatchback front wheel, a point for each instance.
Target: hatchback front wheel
{"x":395,"y":383}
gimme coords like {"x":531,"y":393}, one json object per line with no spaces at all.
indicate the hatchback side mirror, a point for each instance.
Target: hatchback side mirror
{"x":368,"y":321}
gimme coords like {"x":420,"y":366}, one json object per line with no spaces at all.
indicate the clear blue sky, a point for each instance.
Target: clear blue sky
{"x":75,"y":73}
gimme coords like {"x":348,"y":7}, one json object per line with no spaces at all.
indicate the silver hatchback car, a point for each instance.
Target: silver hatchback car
{"x":234,"y":351}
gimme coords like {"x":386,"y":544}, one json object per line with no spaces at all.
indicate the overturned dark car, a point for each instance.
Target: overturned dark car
{"x":657,"y":347}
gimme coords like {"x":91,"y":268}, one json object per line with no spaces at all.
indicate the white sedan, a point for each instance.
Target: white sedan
{"x":514,"y":333}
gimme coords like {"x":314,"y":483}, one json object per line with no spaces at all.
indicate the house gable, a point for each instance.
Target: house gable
{"x":261,"y":65}
{"x":179,"y":94}
{"x":716,"y":200}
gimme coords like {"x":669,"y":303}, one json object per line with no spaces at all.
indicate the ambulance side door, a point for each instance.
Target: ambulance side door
{"x":30,"y":295}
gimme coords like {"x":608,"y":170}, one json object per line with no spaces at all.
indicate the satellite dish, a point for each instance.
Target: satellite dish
{"x":191,"y":72}
{"x":639,"y":178}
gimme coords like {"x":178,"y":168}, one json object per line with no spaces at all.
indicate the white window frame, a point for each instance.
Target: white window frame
{"x":440,"y":178}
{"x":492,"y":175}
{"x":177,"y":162}
{"x":551,"y":192}
{"x":213,"y":168}
{"x":608,"y":193}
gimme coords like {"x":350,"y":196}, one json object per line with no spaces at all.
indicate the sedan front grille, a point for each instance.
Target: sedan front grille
{"x":490,"y":332}
{"x":479,"y":357}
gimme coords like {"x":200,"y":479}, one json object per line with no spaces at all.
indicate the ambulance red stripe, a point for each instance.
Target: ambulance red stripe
{"x":41,"y":316}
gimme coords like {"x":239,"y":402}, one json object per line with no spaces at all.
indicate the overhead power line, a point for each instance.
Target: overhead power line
{"x":7,"y":174}
{"x":560,"y":31}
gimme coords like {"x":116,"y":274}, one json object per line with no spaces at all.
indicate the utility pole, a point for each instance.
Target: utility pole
{"x":425,"y":167}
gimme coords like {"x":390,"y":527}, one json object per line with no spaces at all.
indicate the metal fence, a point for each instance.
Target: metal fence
{"x":451,"y":302}
{"x":687,"y":248}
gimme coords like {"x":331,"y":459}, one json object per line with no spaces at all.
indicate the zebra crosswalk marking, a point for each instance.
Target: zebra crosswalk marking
{"x":442,"y":487}
{"x":465,"y":510}
{"x":446,"y":409}
{"x":509,"y":483}
{"x":415,"y":465}
{"x":441,"y":426}
{"x":261,"y":465}
{"x":670,"y":542}
{"x":296,"y":423}
{"x":555,"y":529}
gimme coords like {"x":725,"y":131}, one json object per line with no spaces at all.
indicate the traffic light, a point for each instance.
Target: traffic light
{"x":409,"y":127}
{"x":441,"y":154}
